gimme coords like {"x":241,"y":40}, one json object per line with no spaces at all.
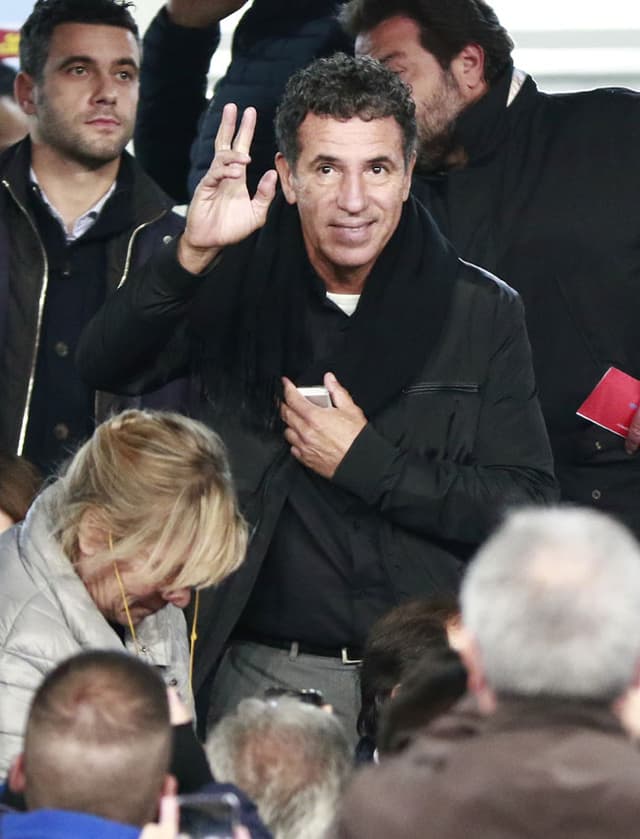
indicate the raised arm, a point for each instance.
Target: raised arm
{"x":222,"y":211}
{"x":177,"y":50}
{"x":138,"y":340}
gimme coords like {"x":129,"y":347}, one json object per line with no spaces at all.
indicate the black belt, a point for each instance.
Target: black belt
{"x":347,"y":655}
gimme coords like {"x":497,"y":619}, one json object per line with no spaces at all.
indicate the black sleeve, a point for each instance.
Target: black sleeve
{"x":173,"y":84}
{"x":138,"y":340}
{"x":512,"y":462}
{"x":188,"y":761}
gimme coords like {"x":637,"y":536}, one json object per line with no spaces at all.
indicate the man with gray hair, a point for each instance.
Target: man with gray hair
{"x":291,"y":758}
{"x":551,"y":608}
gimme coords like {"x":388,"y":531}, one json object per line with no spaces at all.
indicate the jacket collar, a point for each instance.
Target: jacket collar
{"x":517,"y":713}
{"x":46,"y":563}
{"x":481,"y":127}
{"x":148,"y":200}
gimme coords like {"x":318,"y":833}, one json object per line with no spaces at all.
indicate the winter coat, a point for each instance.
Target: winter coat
{"x":535,"y":768}
{"x":47,"y":615}
{"x":548,"y":200}
{"x":435,"y":467}
{"x":20,"y":244}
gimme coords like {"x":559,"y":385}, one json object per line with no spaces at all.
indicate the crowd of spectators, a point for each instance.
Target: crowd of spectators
{"x":359,"y":617}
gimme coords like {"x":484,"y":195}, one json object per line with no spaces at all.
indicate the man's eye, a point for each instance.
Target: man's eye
{"x":378,"y":169}
{"x":325,"y":169}
{"x":77,"y":70}
{"x":125,"y":75}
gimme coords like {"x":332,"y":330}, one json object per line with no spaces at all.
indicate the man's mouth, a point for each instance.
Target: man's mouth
{"x":352,"y":231}
{"x":104,"y":122}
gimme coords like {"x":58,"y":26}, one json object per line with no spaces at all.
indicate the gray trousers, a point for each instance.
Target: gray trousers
{"x":248,"y":669}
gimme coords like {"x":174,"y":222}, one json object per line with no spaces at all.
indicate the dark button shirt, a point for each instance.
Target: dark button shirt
{"x":61,"y":412}
{"x":322,"y":582}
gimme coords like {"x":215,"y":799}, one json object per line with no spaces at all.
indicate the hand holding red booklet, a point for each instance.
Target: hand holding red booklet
{"x":613,"y":402}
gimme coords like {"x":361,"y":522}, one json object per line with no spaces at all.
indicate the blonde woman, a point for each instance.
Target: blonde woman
{"x":110,"y":552}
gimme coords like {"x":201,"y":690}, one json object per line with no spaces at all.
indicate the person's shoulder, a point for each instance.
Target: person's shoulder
{"x":594,"y":106}
{"x":485,"y":283}
{"x":59,"y":824}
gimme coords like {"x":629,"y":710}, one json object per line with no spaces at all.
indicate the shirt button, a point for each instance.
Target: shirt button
{"x":61,"y":349}
{"x":144,"y":650}
{"x":66,"y":273}
{"x":173,"y":682}
{"x":596,"y":494}
{"x":61,"y":431}
{"x":598,"y":445}
{"x":167,"y":239}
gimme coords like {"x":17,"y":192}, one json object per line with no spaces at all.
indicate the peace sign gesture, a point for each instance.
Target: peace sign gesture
{"x":222,"y":212}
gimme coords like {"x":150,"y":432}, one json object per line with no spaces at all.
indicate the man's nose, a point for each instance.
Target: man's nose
{"x":105,"y":88}
{"x":352,"y":196}
{"x":180,"y":597}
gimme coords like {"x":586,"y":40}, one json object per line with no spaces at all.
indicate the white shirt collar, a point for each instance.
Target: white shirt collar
{"x":83,"y":222}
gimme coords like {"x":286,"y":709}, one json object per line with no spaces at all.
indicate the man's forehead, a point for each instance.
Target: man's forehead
{"x":389,"y":39}
{"x":322,"y":133}
{"x":93,"y":39}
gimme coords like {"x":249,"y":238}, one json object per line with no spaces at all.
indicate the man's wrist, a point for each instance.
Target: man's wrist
{"x":193,"y":259}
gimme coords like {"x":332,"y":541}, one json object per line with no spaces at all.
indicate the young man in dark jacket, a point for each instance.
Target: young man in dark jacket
{"x":543,"y":190}
{"x":77,"y":217}
{"x":433,"y":427}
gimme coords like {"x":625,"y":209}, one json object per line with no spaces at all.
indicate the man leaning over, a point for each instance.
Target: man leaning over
{"x":542,"y":189}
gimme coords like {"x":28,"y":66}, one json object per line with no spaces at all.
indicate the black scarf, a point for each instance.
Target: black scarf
{"x":249,"y":319}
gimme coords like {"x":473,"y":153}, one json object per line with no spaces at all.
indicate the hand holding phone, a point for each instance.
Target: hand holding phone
{"x":209,"y":815}
{"x":318,"y":395}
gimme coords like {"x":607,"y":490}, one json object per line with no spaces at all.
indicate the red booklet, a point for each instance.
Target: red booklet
{"x":613,"y":401}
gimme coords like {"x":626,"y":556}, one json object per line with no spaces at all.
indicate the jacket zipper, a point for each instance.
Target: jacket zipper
{"x":438,"y":387}
{"x":43,"y":296}
{"x":132,"y":238}
{"x":41,"y":302}
{"x":123,"y":279}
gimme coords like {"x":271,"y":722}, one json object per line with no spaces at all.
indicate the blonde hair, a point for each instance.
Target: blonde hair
{"x":160,"y":486}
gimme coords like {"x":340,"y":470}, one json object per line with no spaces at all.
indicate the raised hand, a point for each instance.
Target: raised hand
{"x":201,"y":13}
{"x":222,"y":212}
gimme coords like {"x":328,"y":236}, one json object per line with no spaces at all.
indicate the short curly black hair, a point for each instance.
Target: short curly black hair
{"x":36,"y":32}
{"x":344,"y":87}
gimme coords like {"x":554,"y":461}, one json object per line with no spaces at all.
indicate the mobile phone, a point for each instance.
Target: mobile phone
{"x":209,"y":815}
{"x":310,"y":696}
{"x":318,"y":394}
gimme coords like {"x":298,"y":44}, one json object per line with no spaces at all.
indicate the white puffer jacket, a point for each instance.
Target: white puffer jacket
{"x":47,"y":615}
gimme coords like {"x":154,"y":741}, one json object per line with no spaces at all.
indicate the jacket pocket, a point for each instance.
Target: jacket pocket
{"x":441,"y":419}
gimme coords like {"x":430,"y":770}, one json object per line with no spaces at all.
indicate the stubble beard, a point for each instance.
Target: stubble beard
{"x":437,"y":120}
{"x":66,"y":137}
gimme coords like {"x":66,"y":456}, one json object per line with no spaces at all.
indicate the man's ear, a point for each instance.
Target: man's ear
{"x":472,"y":659}
{"x":93,"y":536}
{"x":468,"y":70}
{"x":16,"y":779}
{"x":24,"y":92}
{"x":287,"y":178}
